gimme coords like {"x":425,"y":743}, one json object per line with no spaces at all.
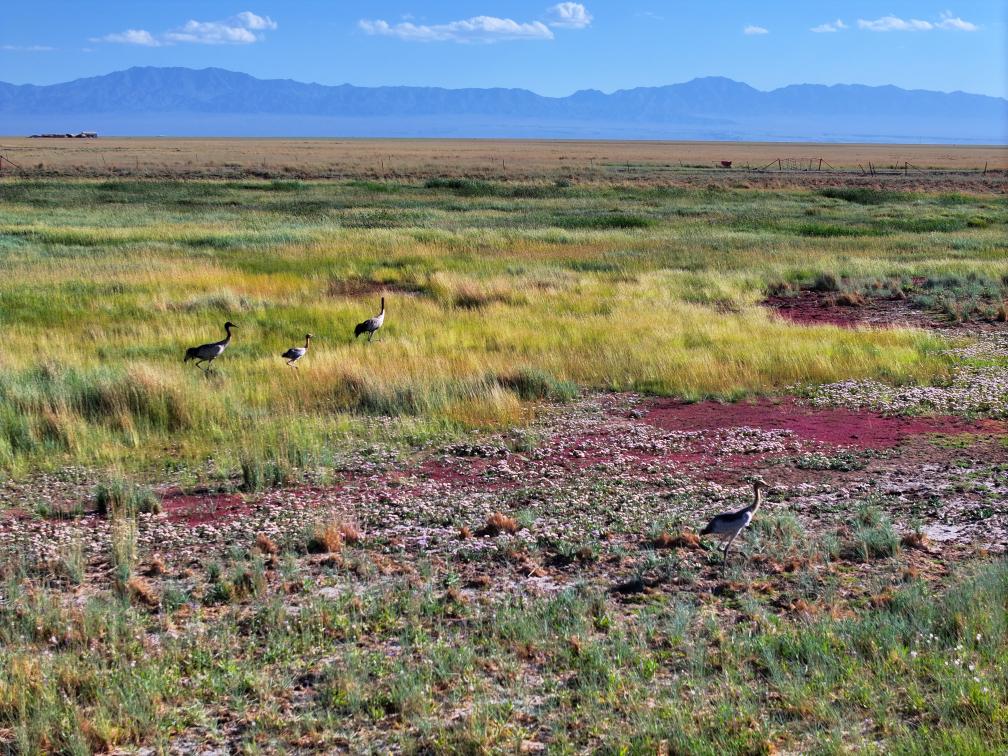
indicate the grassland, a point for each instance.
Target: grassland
{"x":514,"y":159}
{"x":466,"y":536}
{"x":623,"y":288}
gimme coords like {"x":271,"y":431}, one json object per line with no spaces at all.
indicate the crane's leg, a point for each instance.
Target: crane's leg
{"x":370,"y":336}
{"x":728,"y":546}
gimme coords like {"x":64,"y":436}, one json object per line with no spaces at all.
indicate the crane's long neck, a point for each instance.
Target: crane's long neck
{"x":757,"y":500}
{"x":306,"y":340}
{"x":227,"y":339}
{"x":382,"y":307}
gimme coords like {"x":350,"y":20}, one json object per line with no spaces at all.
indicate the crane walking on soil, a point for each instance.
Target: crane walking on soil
{"x":294,"y":354}
{"x":371,"y":325}
{"x":729,"y":524}
{"x":209,"y":352}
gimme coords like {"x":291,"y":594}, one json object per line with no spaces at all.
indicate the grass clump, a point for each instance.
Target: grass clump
{"x":841,"y":461}
{"x":328,"y":537}
{"x":497,"y":524}
{"x":861,"y":195}
{"x":531,"y":384}
{"x":964,"y":297}
{"x":259,"y":474}
{"x":873,"y":536}
{"x":119,"y":497}
{"x":123,"y":549}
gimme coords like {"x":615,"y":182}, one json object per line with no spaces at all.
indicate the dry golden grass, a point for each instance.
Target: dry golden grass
{"x":485,"y":158}
{"x":143,"y":592}
{"x":499,"y":523}
{"x":686,"y":539}
{"x":265,"y":544}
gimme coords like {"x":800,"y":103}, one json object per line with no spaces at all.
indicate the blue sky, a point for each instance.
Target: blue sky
{"x":550,"y":48}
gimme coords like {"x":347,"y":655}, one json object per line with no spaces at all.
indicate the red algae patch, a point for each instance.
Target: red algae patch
{"x":204,"y":509}
{"x":819,"y":308}
{"x":840,"y":427}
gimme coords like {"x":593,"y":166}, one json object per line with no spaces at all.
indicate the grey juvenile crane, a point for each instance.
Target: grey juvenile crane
{"x":294,"y":354}
{"x":729,"y":524}
{"x":371,"y":325}
{"x":209,"y":352}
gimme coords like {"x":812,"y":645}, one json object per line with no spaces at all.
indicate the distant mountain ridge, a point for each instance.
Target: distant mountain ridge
{"x":214,"y":101}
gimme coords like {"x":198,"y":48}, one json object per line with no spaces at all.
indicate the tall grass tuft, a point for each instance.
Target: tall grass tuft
{"x":532,"y":383}
{"x":118,"y":497}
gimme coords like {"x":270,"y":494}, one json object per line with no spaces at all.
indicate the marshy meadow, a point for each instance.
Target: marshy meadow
{"x":478,"y":531}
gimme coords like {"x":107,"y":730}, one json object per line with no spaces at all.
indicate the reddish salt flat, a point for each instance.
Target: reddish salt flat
{"x":841,"y":427}
{"x":202,"y":509}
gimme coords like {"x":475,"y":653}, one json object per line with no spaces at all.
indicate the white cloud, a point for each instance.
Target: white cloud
{"x":476,"y":29}
{"x":569,"y":16}
{"x":894,"y":23}
{"x":755,"y":30}
{"x":242,"y":29}
{"x":212,"y":33}
{"x":26,"y":48}
{"x":948,"y":21}
{"x":252,"y":21}
{"x":130,"y":37}
{"x":829,"y":27}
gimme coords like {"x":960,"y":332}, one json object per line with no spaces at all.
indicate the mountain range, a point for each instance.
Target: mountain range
{"x":216,"y":102}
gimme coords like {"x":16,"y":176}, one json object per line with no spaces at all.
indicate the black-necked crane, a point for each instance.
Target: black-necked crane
{"x":209,"y":352}
{"x":371,"y":325}
{"x":294,"y":354}
{"x":729,"y":524}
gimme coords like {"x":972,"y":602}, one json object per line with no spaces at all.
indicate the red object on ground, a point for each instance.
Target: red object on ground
{"x":203,"y":509}
{"x":842,"y":427}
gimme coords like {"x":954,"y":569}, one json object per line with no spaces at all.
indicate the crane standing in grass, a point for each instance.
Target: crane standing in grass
{"x":209,"y":352}
{"x":729,"y":524}
{"x":371,"y":325}
{"x":294,"y":354}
